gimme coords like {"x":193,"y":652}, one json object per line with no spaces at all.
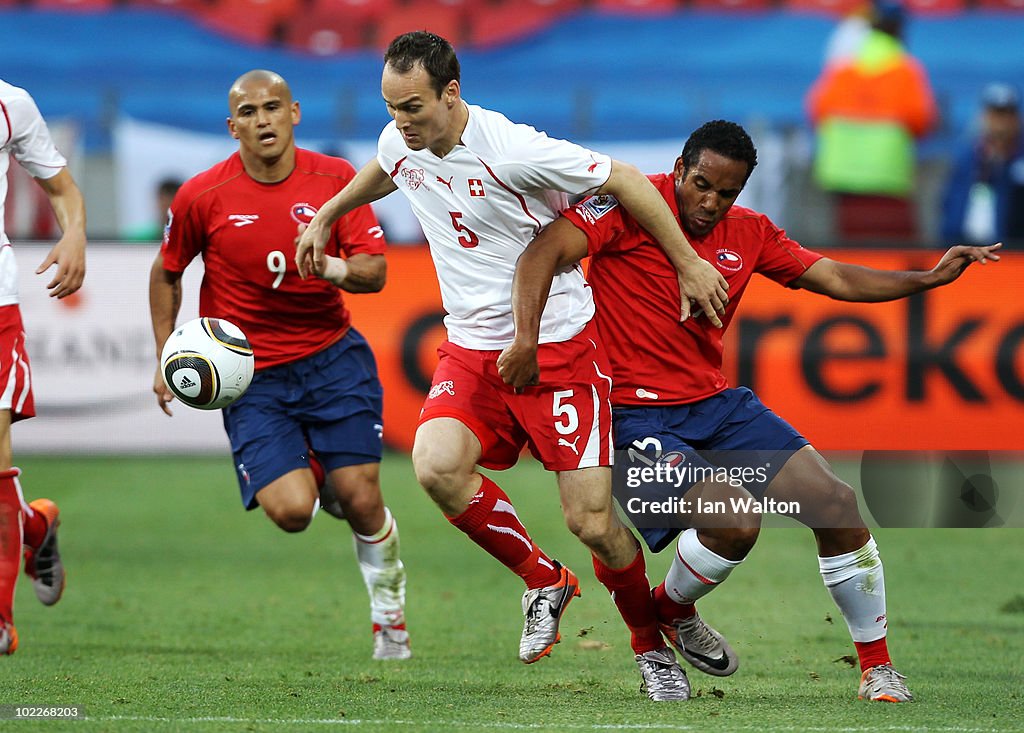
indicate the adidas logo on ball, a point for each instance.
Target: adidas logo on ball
{"x":207,"y":363}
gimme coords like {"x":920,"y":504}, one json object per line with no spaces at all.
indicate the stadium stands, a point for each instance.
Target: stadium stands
{"x":323,"y":32}
{"x":935,"y":7}
{"x":88,"y":6}
{"x":638,"y":6}
{"x":257,"y":22}
{"x":446,"y":18}
{"x":329,"y":27}
{"x":827,"y":7}
{"x":557,"y":63}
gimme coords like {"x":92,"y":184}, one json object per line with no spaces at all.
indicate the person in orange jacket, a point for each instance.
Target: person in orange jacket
{"x":868,"y":111}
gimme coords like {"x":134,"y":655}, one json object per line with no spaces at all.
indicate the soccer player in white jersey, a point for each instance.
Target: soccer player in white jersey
{"x":23,"y":134}
{"x":482,"y":187}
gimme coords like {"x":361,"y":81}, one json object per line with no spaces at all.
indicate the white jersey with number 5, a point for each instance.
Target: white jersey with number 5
{"x":23,"y":134}
{"x":480,"y":206}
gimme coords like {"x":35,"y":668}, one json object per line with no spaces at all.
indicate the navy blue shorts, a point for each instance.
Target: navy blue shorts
{"x":731,"y":429}
{"x":330,"y":402}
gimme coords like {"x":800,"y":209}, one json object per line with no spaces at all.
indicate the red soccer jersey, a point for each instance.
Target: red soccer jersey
{"x":245,"y":231}
{"x":655,"y":359}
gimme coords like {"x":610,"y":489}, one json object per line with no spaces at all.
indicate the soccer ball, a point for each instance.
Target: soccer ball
{"x":207,"y":363}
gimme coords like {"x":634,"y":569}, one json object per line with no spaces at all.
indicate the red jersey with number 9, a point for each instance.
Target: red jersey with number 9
{"x":245,"y":231}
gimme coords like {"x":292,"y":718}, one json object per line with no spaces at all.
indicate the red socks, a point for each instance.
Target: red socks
{"x":872,"y":653}
{"x":490,"y":520}
{"x":668,"y":609}
{"x":631,"y":592}
{"x":10,"y":540}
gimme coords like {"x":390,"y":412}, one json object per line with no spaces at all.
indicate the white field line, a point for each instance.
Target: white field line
{"x":499,"y":725}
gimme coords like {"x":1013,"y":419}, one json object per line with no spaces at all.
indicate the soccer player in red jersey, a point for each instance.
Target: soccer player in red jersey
{"x":315,"y":390}
{"x":30,"y":526}
{"x":670,"y":396}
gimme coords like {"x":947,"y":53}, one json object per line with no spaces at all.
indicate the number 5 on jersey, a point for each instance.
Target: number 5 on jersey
{"x":467,"y":237}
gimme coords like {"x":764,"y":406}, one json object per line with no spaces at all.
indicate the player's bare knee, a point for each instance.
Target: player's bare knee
{"x":291,"y":518}
{"x":734,"y":543}
{"x":362,"y":501}
{"x":593,"y":529}
{"x":837,"y":505}
{"x":444,"y":481}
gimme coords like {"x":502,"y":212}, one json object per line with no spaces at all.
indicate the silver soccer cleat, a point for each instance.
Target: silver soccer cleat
{"x":663,"y":679}
{"x":543,"y":608}
{"x":701,"y":646}
{"x":883,"y":684}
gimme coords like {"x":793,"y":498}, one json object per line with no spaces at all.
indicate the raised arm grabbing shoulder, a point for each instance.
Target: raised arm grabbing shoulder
{"x":699,"y":281}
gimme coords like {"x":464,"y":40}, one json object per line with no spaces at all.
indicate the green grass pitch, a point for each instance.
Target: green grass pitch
{"x":183,"y":612}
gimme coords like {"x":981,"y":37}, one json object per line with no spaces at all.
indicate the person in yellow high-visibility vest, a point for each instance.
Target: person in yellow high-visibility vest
{"x":868,"y":111}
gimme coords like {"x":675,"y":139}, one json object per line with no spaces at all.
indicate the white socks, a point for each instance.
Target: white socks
{"x":696,"y":570}
{"x":383,"y":572}
{"x":857,"y":585}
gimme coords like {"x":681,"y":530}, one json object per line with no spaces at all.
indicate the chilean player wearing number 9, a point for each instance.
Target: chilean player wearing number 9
{"x":314,"y":405}
{"x":670,"y":393}
{"x":482,"y":187}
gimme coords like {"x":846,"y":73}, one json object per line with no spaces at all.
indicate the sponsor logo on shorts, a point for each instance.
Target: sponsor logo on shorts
{"x":440,"y":388}
{"x":567,"y":444}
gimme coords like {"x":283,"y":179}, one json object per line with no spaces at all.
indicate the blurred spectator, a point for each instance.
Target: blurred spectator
{"x":849,"y":34}
{"x":867,"y":110}
{"x":984,"y":197}
{"x":154,"y":231}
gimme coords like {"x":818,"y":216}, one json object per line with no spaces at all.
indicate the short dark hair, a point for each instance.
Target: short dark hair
{"x":168,"y":186}
{"x":722,"y":137}
{"x":431,"y":51}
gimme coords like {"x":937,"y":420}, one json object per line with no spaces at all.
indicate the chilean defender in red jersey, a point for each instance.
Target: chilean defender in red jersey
{"x":315,"y":389}
{"x":670,"y":395}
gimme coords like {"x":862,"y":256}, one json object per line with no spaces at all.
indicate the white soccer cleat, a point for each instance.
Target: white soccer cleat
{"x":391,"y":642}
{"x":701,"y":646}
{"x":543,"y":608}
{"x":883,"y":684}
{"x":663,"y":679}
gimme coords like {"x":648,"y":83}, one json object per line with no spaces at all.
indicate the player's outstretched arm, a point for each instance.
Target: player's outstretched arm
{"x":855,"y":283}
{"x":699,"y":281}
{"x":558,"y":246}
{"x":360,"y":273}
{"x":370,"y":183}
{"x":164,"y":304}
{"x":69,"y":252}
